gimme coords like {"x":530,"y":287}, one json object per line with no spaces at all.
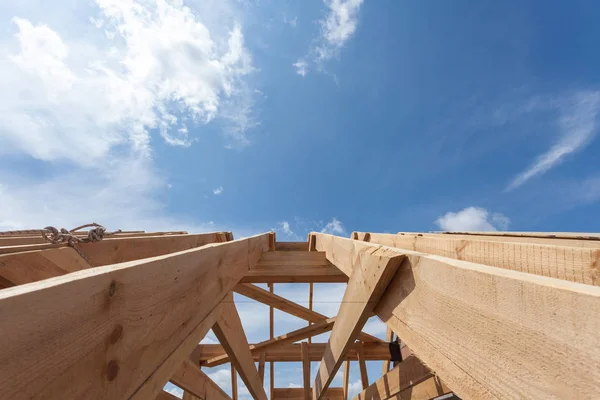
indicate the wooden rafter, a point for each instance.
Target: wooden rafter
{"x":108,"y":329}
{"x":374,"y":351}
{"x":228,"y":329}
{"x":577,"y":264}
{"x":189,"y":377}
{"x":507,"y":319}
{"x":371,"y":271}
{"x":406,"y":374}
{"x":290,"y":337}
{"x":285,"y":305}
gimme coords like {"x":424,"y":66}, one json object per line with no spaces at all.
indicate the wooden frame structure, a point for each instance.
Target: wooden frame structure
{"x":477,"y":315}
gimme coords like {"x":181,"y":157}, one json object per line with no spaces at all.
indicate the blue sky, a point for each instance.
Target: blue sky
{"x":300,"y":115}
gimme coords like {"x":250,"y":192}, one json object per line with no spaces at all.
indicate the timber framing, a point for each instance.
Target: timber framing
{"x":478,"y":314}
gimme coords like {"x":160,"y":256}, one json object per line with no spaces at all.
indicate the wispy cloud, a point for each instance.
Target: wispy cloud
{"x":337,"y":27}
{"x":472,"y":219}
{"x":577,"y":125}
{"x":287,"y":230}
{"x":334,"y":227}
{"x":301,"y":67}
{"x":218,"y":191}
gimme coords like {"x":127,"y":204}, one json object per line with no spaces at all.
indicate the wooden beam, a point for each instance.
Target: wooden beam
{"x":33,"y":266}
{"x":162,"y":395}
{"x":234,"y":392}
{"x":374,"y":351}
{"x":290,"y":337}
{"x":230,"y":332}
{"x":291,"y":246}
{"x":295,"y":274}
{"x":575,"y":264}
{"x":362,"y":365}
{"x":372,"y":270}
{"x":389,"y":337}
{"x":189,"y":377}
{"x":482,"y":329}
{"x":107,"y":330}
{"x":177,"y":359}
{"x":294,"y":266}
{"x":346,"y":378}
{"x":305,"y":370}
{"x":281,"y":303}
{"x":261,"y":367}
{"x":298,"y":394}
{"x":310,"y":304}
{"x":406,"y":374}
{"x":271,"y":335}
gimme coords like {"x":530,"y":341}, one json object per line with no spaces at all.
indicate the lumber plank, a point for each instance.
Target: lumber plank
{"x":234,"y":391}
{"x":162,"y":395}
{"x":389,"y":337}
{"x":271,"y":292}
{"x":291,"y":246}
{"x":575,"y":264}
{"x":261,"y":366}
{"x":33,"y":266}
{"x":362,"y":365}
{"x":189,"y":377}
{"x":230,"y":332}
{"x":290,"y":337}
{"x":298,"y":394}
{"x":374,"y":351}
{"x":346,"y":377}
{"x":20,"y":240}
{"x":310,"y":304}
{"x":372,"y":270}
{"x":106,"y":330}
{"x":489,"y":332}
{"x":118,"y":250}
{"x":177,"y":359}
{"x":294,"y":274}
{"x":281,"y":303}
{"x":404,"y":375}
{"x":305,"y":370}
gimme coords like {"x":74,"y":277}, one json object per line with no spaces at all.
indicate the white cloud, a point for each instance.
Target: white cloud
{"x":175,"y":391}
{"x":291,"y":22}
{"x":334,"y":227}
{"x":218,"y":191}
{"x":294,"y":385}
{"x":472,"y":219}
{"x":301,"y":67}
{"x":287,"y":231}
{"x":354,"y":388}
{"x":88,"y":101}
{"x":337,"y":27}
{"x":577,"y":125}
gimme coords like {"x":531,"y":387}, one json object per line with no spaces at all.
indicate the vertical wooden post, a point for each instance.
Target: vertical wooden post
{"x":346,"y":378}
{"x":389,"y":337}
{"x":234,"y":394}
{"x":261,"y":366}
{"x":271,"y":335}
{"x":305,"y":370}
{"x":362,"y":364}
{"x":310,"y":304}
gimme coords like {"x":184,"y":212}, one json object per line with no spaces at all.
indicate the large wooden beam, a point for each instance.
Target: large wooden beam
{"x":32,"y":263}
{"x":374,"y":351}
{"x":577,"y":264}
{"x":290,"y":337}
{"x":189,"y":377}
{"x":305,"y":370}
{"x":298,"y":394}
{"x":281,"y":303}
{"x":407,"y":373}
{"x":482,"y":329}
{"x":372,"y":270}
{"x":103,"y":332}
{"x":230,"y":332}
{"x":294,"y":267}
